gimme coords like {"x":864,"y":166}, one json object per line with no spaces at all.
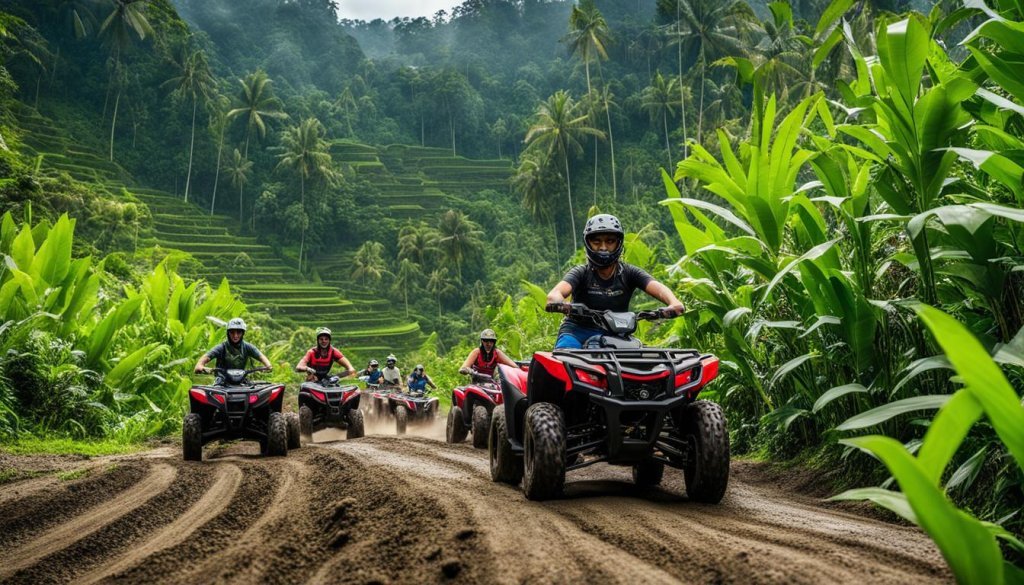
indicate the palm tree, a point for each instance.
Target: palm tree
{"x":440,"y":285}
{"x":76,"y":14}
{"x":659,"y":99}
{"x":369,"y":263}
{"x":530,"y":181}
{"x":348,"y":104}
{"x":239,"y":170}
{"x":588,"y":34}
{"x":707,"y":30}
{"x":459,"y":238}
{"x":257,"y":104}
{"x":784,"y":56}
{"x":308,"y":155}
{"x":557,"y":130}
{"x":125,"y":20}
{"x":194,"y":81}
{"x":218,"y":111}
{"x":417,"y":243}
{"x":409,"y":275}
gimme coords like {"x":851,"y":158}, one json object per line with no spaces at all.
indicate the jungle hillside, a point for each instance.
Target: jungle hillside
{"x":833,"y":189}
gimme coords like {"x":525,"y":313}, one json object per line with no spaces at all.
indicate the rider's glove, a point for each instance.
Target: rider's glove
{"x":465,"y":371}
{"x":557,"y":308}
{"x":310,"y":370}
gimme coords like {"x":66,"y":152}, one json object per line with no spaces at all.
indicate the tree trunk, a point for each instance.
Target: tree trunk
{"x":241,"y":216}
{"x":191,"y":149}
{"x":595,"y":170}
{"x":405,"y":289}
{"x":113,"y":124}
{"x":568,"y":186}
{"x":302,"y":204}
{"x":700,"y":112}
{"x":668,"y":146}
{"x":682,"y":93}
{"x":611,"y":144}
{"x":216,"y":174}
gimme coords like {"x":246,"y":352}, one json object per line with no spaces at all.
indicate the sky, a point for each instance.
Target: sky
{"x":388,"y":9}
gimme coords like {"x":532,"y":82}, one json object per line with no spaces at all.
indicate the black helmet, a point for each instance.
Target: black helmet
{"x":603,"y":223}
{"x":488,"y":335}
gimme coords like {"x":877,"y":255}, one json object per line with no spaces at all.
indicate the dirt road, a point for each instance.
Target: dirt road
{"x":414,"y":510}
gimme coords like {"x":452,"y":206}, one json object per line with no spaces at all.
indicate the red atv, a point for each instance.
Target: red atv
{"x":326,"y":403}
{"x":236,"y":408}
{"x":614,"y":401}
{"x":471,"y":410}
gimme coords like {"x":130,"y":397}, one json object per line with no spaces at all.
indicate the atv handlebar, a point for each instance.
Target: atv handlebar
{"x":225,"y":370}
{"x":581,"y":310}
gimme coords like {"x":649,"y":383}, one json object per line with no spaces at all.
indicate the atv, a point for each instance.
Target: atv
{"x":379,"y":400}
{"x":237,"y":408}
{"x":614,"y":401}
{"x":411,"y":406}
{"x":471,"y":410}
{"x":326,"y":403}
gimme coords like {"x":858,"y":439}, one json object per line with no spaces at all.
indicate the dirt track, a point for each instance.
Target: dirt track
{"x":413,"y":510}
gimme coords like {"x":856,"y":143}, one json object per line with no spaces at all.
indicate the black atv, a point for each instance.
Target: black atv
{"x":411,"y":407}
{"x":471,"y":410}
{"x":326,"y":403}
{"x":237,"y":408}
{"x":613,"y":401}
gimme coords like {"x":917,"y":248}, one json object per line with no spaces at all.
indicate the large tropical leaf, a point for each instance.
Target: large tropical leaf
{"x":885,"y":412}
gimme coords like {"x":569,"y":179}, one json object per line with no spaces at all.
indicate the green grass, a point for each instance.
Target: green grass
{"x":73,"y":475}
{"x":11,"y":475}
{"x":31,"y":445}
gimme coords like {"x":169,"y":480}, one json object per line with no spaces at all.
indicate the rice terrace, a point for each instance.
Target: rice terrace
{"x":511,"y":291}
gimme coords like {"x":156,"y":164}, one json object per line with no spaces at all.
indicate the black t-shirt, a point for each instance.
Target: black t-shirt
{"x":613,"y":294}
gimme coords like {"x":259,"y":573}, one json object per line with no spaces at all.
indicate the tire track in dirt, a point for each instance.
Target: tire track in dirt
{"x":214,"y":501}
{"x":16,"y":558}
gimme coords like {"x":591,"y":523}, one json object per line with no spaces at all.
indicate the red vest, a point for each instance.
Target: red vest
{"x":322,"y":361}
{"x":486,"y":367}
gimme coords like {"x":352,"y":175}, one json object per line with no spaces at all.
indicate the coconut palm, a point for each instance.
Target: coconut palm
{"x":193,"y":81}
{"x":588,"y":35}
{"x":559,"y":125}
{"x":239,"y":170}
{"x":660,"y":101}
{"x":369,"y":263}
{"x":440,"y":285}
{"x":459,"y":238}
{"x":409,"y":275}
{"x":530,"y":182}
{"x":218,"y":112}
{"x":257,"y":104}
{"x":417,"y":243}
{"x":307,"y":154}
{"x":125,"y":21}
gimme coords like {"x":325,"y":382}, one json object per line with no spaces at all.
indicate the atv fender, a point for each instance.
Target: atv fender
{"x":458,"y":396}
{"x":513,"y":382}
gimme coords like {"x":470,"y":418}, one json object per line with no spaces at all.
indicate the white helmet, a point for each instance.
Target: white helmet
{"x":236,"y":323}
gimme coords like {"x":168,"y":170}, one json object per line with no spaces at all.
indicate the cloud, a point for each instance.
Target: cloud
{"x":388,"y":9}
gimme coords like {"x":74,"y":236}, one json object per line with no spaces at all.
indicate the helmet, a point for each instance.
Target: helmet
{"x":323,"y":331}
{"x":236,"y":323}
{"x":418,"y":368}
{"x":488,"y":335}
{"x":374,"y":363}
{"x":603,"y":223}
{"x":391,"y":359}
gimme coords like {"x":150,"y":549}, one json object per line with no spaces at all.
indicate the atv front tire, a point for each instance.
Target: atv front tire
{"x":505,"y":466}
{"x":544,"y":452}
{"x":401,"y":419}
{"x":355,"y":424}
{"x":707,"y":471}
{"x":294,"y":434}
{"x":277,"y":435}
{"x":481,"y":424}
{"x":648,"y":473}
{"x":456,"y":430}
{"x":192,"y":437}
{"x":306,"y":423}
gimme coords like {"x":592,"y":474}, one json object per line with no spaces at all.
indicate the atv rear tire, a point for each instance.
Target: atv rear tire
{"x":648,"y":473}
{"x":544,"y":452}
{"x":506,"y":467}
{"x":456,"y":430}
{"x":481,"y":424}
{"x":355,"y":424}
{"x":294,"y":436}
{"x":707,"y":471}
{"x":306,"y":423}
{"x":401,"y":419}
{"x":192,"y":437}
{"x":277,"y":435}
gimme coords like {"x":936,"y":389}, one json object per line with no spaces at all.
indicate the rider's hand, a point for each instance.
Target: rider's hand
{"x":465,"y":371}
{"x":202,"y":370}
{"x":672,"y":311}
{"x":310,"y":370}
{"x":557,"y":308}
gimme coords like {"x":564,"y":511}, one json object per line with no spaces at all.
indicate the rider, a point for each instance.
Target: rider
{"x":317,"y":362}
{"x":372,"y":374}
{"x":418,"y":381}
{"x":391,"y":375}
{"x":232,"y":354}
{"x":485,"y":358}
{"x":603,"y":283}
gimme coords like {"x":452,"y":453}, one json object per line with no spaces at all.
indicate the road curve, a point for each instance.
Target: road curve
{"x":385,"y":509}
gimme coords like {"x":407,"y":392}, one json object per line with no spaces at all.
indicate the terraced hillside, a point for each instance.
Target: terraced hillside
{"x":266,"y":282}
